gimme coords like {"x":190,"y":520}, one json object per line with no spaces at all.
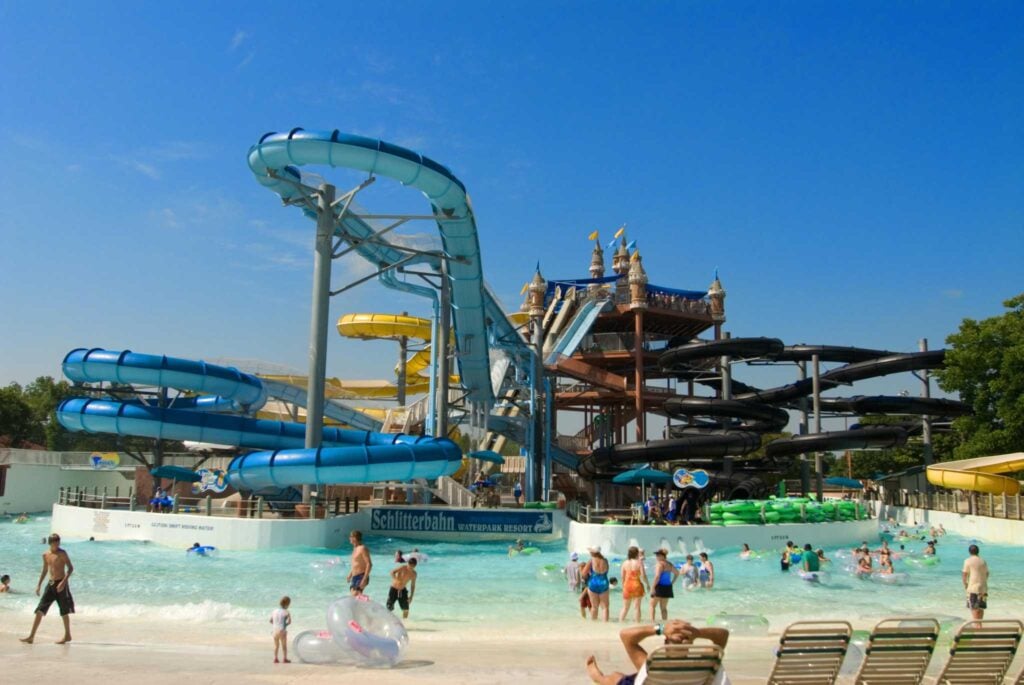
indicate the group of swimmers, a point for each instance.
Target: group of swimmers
{"x":810,"y":559}
{"x":591,"y":579}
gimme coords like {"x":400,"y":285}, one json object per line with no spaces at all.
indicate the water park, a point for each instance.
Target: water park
{"x":602,"y":420}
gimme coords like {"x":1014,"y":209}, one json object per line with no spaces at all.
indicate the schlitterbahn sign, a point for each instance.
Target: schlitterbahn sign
{"x":461,"y":521}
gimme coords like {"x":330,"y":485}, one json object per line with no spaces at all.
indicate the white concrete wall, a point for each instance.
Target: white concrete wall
{"x":181,"y":530}
{"x":34,"y":488}
{"x":615,"y":540}
{"x":1001,"y":531}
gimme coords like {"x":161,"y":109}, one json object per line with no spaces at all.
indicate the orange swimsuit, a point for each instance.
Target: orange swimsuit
{"x":632,"y":588}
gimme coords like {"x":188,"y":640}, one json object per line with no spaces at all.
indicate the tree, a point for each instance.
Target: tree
{"x":985,"y":365}
{"x":16,"y":421}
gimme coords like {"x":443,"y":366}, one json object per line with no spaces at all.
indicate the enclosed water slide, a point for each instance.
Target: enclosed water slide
{"x":981,"y":474}
{"x":718,"y":428}
{"x":346,"y":455}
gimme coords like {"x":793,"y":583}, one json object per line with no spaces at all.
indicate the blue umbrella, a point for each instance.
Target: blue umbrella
{"x":843,"y":482}
{"x":643,"y":477}
{"x":179,"y":473}
{"x":488,"y":455}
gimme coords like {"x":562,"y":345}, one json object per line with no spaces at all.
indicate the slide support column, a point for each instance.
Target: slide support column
{"x":318,"y":322}
{"x":805,"y":481}
{"x":926,"y":422}
{"x":819,"y":484}
{"x":444,"y":333}
{"x":638,"y":362}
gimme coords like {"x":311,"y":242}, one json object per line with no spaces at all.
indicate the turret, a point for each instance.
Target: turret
{"x":597,"y":261}
{"x":637,"y":282}
{"x":620,"y":262}
{"x":538,"y":287}
{"x":716,"y":294}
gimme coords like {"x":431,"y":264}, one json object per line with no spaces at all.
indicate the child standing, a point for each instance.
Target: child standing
{"x":281,"y":619}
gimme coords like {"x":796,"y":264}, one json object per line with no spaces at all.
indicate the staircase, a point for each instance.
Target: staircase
{"x":452,"y":492}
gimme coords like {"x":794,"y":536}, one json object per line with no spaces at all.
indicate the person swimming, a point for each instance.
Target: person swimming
{"x":745,"y":552}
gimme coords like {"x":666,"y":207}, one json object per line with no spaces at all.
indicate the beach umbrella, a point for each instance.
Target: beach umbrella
{"x":177,"y":473}
{"x":643,"y":477}
{"x":843,"y":482}
{"x":488,"y":455}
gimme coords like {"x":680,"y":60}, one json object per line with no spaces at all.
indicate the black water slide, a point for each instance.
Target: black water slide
{"x":717,"y":429}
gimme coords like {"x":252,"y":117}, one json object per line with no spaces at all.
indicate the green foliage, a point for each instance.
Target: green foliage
{"x":869,"y":463}
{"x":28,"y":414}
{"x":985,"y":365}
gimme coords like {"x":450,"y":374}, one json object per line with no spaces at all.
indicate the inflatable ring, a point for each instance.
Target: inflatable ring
{"x":529,"y":550}
{"x":891,"y":578}
{"x":367,"y":630}
{"x":317,"y":647}
{"x":740,"y":624}
{"x":551,"y":573}
{"x":930,"y":560}
{"x":203,"y":551}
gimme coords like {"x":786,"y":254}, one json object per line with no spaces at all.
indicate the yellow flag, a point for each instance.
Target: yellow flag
{"x":592,"y":236}
{"x":526,"y":286}
{"x":622,"y":229}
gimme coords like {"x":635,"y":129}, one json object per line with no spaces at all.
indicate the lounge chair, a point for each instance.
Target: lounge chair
{"x":981,"y":653}
{"x":810,"y":653}
{"x":683,"y":665}
{"x":898,"y":652}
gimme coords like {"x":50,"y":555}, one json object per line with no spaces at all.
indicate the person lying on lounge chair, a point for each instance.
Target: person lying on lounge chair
{"x":675,"y":632}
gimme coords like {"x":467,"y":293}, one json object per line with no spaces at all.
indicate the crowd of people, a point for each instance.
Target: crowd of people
{"x":592,"y":580}
{"x":675,"y":508}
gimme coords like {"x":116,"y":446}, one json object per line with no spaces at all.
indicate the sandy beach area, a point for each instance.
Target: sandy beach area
{"x":114,"y":653}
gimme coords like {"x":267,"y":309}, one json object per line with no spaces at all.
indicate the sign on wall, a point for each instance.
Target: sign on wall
{"x":105,"y":460}
{"x":210,"y":480}
{"x":698,"y":478}
{"x":461,"y":521}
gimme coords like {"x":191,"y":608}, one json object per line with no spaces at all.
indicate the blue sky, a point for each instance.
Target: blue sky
{"x":853,"y":169}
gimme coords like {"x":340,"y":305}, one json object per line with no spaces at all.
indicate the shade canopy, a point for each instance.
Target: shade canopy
{"x":643,"y":476}
{"x":843,"y":482}
{"x":488,"y":455}
{"x":179,"y":473}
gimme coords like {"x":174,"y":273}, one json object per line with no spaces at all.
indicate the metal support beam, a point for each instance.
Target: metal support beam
{"x":403,"y":358}
{"x":318,"y":322}
{"x":442,"y":343}
{"x":639,"y":381}
{"x":819,"y":484}
{"x":926,"y":421}
{"x":805,"y":481}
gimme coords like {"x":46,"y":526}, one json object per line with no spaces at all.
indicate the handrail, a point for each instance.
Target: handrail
{"x":452,"y":492}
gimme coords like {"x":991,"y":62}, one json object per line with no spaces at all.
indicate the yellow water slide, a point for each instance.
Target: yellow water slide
{"x":379,"y":327}
{"x":982,"y":474}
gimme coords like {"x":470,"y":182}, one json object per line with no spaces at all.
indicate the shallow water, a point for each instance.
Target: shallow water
{"x":463,"y":584}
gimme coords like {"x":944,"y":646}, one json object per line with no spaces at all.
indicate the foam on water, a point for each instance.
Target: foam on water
{"x":469,"y":583}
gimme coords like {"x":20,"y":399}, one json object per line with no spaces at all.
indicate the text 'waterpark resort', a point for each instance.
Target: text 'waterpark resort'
{"x":595,"y":450}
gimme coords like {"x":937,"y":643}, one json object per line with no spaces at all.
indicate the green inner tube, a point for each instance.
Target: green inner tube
{"x":610,"y":522}
{"x":740,"y":505}
{"x":740,"y":523}
{"x":772,"y":516}
{"x":529,"y":550}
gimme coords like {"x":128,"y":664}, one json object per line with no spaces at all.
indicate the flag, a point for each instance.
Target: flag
{"x":631,"y":245}
{"x":592,"y":236}
{"x":611,"y":244}
{"x":622,"y":229}
{"x":526,"y":286}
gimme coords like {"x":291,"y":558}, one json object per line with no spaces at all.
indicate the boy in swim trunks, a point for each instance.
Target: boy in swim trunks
{"x":400,"y":578}
{"x":281,"y":618}
{"x":58,"y":564}
{"x":359,"y":576}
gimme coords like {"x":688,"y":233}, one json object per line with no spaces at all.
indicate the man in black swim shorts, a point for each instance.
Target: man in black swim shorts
{"x":58,"y":564}
{"x":403,"y":587}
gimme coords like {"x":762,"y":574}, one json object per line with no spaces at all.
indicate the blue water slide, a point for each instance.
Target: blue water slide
{"x":427,"y":458}
{"x":577,"y":329}
{"x":84,"y":365}
{"x":274,"y":160}
{"x":345,"y":457}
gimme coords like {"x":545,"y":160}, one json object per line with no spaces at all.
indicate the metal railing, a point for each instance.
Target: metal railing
{"x":452,"y":492}
{"x":83,"y":460}
{"x":972,"y":503}
{"x":111,"y":499}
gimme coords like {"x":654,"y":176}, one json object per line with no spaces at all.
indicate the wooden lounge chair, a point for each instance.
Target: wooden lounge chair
{"x":684,"y":665}
{"x":981,"y":653}
{"x":898,"y":652}
{"x":810,"y":653}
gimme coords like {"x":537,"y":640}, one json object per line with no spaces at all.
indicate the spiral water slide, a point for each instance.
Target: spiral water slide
{"x":719,"y":428}
{"x":346,"y":455}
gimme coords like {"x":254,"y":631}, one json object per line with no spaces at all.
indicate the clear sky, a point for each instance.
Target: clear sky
{"x":854,"y":170}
